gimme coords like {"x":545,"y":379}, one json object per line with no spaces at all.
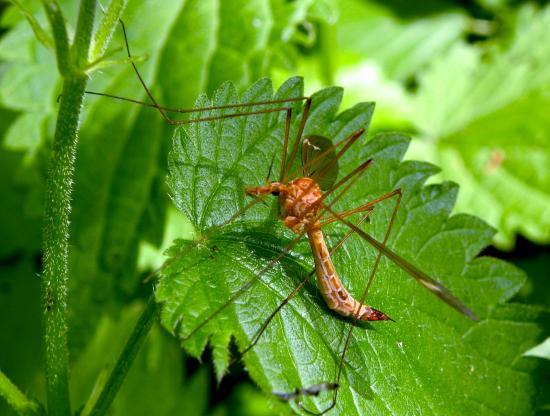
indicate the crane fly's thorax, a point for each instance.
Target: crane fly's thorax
{"x":300,"y":201}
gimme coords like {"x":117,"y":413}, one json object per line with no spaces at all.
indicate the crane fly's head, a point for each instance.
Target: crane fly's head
{"x":300,"y":190}
{"x":273,"y":188}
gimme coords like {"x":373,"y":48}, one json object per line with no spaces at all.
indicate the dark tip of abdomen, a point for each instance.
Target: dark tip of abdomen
{"x":375,"y":315}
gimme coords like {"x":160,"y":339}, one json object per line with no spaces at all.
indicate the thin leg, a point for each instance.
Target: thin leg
{"x":305,"y":115}
{"x":143,"y":84}
{"x":316,"y":389}
{"x":266,"y":323}
{"x":340,"y":367}
{"x":246,"y":286}
{"x":360,"y":208}
{"x":350,"y":178}
{"x":163,"y":110}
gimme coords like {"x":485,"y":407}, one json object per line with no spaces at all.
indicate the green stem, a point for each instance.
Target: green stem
{"x":61,"y":40}
{"x":126,"y":358}
{"x":57,"y":206}
{"x":17,"y":400}
{"x":83,"y":34}
{"x":56,"y":246}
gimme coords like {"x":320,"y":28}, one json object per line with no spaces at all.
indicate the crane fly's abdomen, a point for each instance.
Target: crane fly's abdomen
{"x":336,"y":296}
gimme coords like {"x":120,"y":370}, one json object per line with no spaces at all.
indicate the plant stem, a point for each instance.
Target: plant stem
{"x":126,"y":358}
{"x":56,"y":246}
{"x":83,"y":34}
{"x":17,"y":400}
{"x":61,"y":40}
{"x":57,"y":206}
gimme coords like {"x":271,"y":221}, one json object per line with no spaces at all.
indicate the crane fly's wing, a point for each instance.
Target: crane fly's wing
{"x":432,"y":285}
{"x":319,"y":160}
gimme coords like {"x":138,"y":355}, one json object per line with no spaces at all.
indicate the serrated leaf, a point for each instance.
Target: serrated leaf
{"x":430,"y":360}
{"x":483,"y":114}
{"x":182,"y":48}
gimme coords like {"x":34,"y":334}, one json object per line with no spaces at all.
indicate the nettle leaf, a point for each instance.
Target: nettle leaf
{"x":181,"y":48}
{"x":483,"y":115}
{"x":431,"y":359}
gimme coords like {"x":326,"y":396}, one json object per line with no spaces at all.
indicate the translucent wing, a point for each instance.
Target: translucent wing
{"x":432,"y":285}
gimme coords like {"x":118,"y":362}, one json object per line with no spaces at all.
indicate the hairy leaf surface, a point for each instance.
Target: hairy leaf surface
{"x":431,"y":360}
{"x":181,"y":48}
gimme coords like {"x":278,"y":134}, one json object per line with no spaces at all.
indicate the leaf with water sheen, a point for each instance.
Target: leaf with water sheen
{"x":431,"y":360}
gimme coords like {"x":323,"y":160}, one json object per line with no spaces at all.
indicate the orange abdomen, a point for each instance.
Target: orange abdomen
{"x":336,"y":296}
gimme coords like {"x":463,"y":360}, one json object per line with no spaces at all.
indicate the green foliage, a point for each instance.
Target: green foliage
{"x":121,"y":216}
{"x":390,"y":367}
{"x":478,"y":110}
{"x":119,"y":200}
{"x":490,"y":127}
{"x":119,"y":192}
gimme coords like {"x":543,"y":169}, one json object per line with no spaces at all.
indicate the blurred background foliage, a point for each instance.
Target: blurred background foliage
{"x":468,"y":80}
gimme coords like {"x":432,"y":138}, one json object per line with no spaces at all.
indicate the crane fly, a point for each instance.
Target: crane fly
{"x":305,"y":208}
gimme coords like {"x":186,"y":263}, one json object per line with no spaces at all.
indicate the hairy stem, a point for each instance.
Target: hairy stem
{"x":57,"y":206}
{"x":56,"y":246}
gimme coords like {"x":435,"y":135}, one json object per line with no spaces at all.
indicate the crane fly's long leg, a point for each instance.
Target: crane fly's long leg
{"x":354,"y":229}
{"x":435,"y":287}
{"x":300,"y":286}
{"x":351,"y":178}
{"x":422,"y":278}
{"x":196,"y":110}
{"x":266,"y":323}
{"x":305,"y":115}
{"x":142,"y":82}
{"x":163,"y":110}
{"x":360,"y":208}
{"x":245,"y":286}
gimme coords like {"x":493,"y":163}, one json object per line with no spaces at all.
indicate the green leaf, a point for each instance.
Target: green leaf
{"x":542,"y":350}
{"x":39,"y":32}
{"x":154,"y":385}
{"x":430,"y":358}
{"x":377,"y":48}
{"x":186,"y":47}
{"x":408,"y":44}
{"x":483,"y":117}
